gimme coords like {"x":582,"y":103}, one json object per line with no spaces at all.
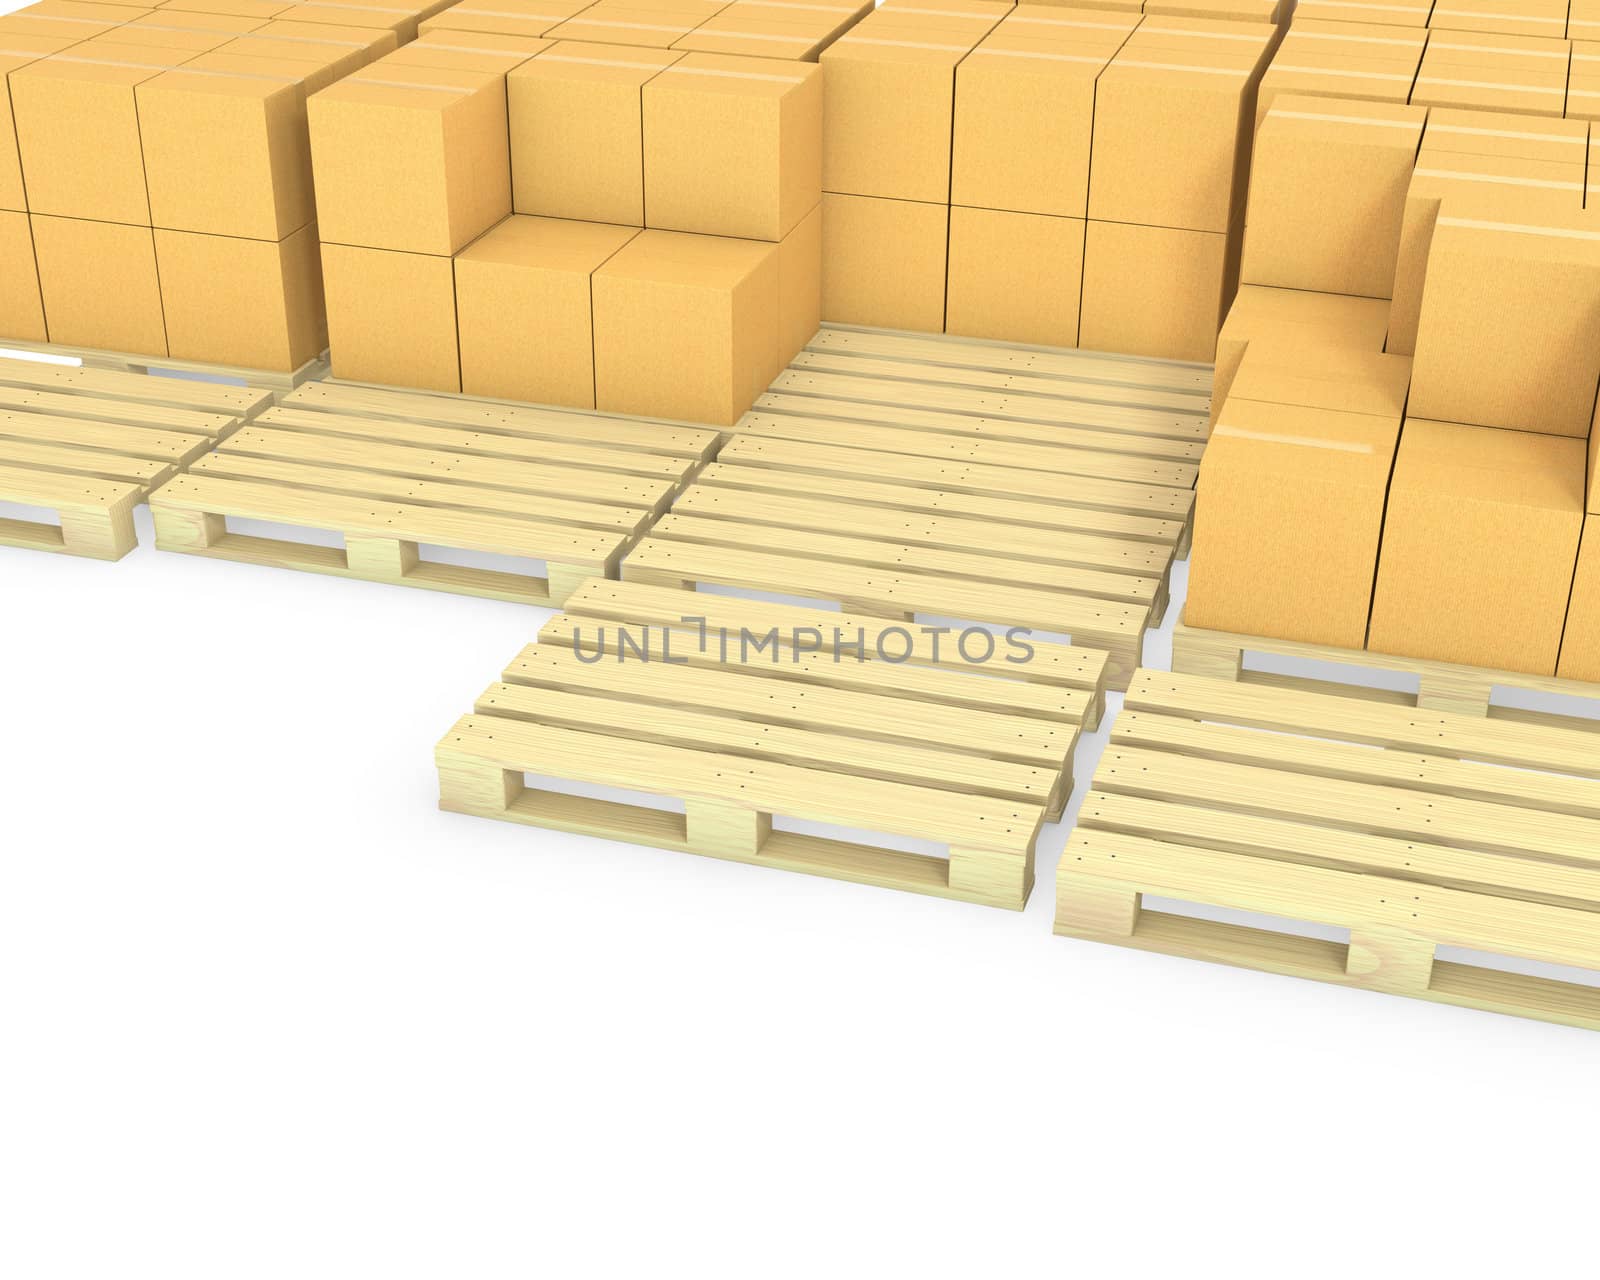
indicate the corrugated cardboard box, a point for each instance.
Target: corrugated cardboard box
{"x":577,"y":131}
{"x":890,"y":100}
{"x":1327,"y":195}
{"x":636,"y":23}
{"x":505,"y":17}
{"x":1546,"y":18}
{"x":883,"y":262}
{"x":732,"y":146}
{"x":255,"y":304}
{"x":83,"y":12}
{"x":1015,"y":277}
{"x":1155,"y":291}
{"x":525,"y":309}
{"x":470,"y":51}
{"x":1396,"y":13}
{"x":1173,"y":118}
{"x":1583,"y":20}
{"x":78,"y":129}
{"x":1583,"y":81}
{"x":188,"y":32}
{"x":1360,"y":60}
{"x":329,"y":53}
{"x":686,"y":326}
{"x":1519,"y":74}
{"x":21,"y":311}
{"x":17,"y":50}
{"x":1479,"y":546}
{"x":99,"y":285}
{"x":799,"y":287}
{"x":1509,"y":334}
{"x":411,"y":158}
{"x":1296,"y":473}
{"x":765,"y":29}
{"x":1580,"y":643}
{"x":1273,"y":11}
{"x":391,"y":317}
{"x":1025,"y":101}
{"x":378,"y":14}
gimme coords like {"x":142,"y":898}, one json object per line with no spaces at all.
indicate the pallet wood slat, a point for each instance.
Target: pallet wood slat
{"x":938,"y":748}
{"x":96,"y":360}
{"x":1409,"y":828}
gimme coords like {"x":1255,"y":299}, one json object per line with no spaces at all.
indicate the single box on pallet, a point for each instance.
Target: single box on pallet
{"x":99,"y":285}
{"x":1327,"y":195}
{"x":504,"y":17}
{"x":577,"y":131}
{"x":21,"y":311}
{"x":1519,"y":74}
{"x":255,"y":304}
{"x":1547,"y":18}
{"x":1345,"y":60}
{"x":762,"y":29}
{"x":635,"y":23}
{"x":411,"y":158}
{"x":1580,"y":642}
{"x":525,"y":309}
{"x":1024,"y":117}
{"x":1296,"y":473}
{"x":732,"y":146}
{"x":391,"y":317}
{"x":1479,"y":545}
{"x":883,"y":262}
{"x":1155,"y":291}
{"x":687,"y":326}
{"x":1014,"y":277}
{"x":1173,"y":118}
{"x":890,"y":100}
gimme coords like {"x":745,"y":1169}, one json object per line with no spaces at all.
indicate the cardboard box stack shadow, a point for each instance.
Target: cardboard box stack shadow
{"x":622,"y":227}
{"x":162,"y":174}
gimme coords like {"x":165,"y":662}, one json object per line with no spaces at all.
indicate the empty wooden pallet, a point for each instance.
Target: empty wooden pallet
{"x":89,"y":445}
{"x":394,"y":472}
{"x":1460,"y":854}
{"x":750,"y":713}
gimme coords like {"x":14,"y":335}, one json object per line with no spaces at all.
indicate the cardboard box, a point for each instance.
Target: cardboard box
{"x":1014,"y":277}
{"x":17,"y":50}
{"x":1024,"y":118}
{"x":525,"y":309}
{"x":883,"y":262}
{"x":84,"y":13}
{"x":411,"y":158}
{"x":319,"y":62}
{"x":78,"y":129}
{"x":1293,"y":320}
{"x":1546,"y":18}
{"x":890,"y":100}
{"x":1273,"y":11}
{"x":1396,"y":13}
{"x":577,"y":131}
{"x":375,"y":14}
{"x":191,"y":32}
{"x":1479,"y":547}
{"x":1155,"y":291}
{"x":1518,"y":74}
{"x":732,"y":146}
{"x":1583,"y":20}
{"x":256,"y":304}
{"x":1509,"y":333}
{"x":391,"y":317}
{"x":1349,"y":60}
{"x":1580,"y":642}
{"x":636,"y":23}
{"x":1327,"y":195}
{"x":771,"y":29}
{"x":21,"y":310}
{"x":1173,"y":119}
{"x":505,"y":17}
{"x":99,"y":285}
{"x":686,"y":326}
{"x":799,"y":288}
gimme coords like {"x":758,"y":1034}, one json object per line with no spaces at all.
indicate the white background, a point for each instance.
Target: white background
{"x":265,"y":1012}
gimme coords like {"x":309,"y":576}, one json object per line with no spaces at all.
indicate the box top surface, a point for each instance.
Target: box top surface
{"x":1485,"y":464}
{"x":735,"y":76}
{"x":1230,"y":10}
{"x":89,"y":11}
{"x":132,"y":37}
{"x":263,"y":9}
{"x":508,"y":17}
{"x":232,"y":75}
{"x":1371,"y":123}
{"x":326,"y":33}
{"x":112,"y":64}
{"x":644,"y":28}
{"x":181,"y":20}
{"x":17,"y":49}
{"x":576,"y":60}
{"x":387,"y":84}
{"x":466,"y":51}
{"x":744,"y":16}
{"x":1303,"y":440}
{"x":988,"y":10}
{"x":1497,"y":133}
{"x":788,"y":10}
{"x":901,"y":36}
{"x":556,"y":244}
{"x":1344,"y":379}
{"x":313,"y":54}
{"x":759,"y":37}
{"x":673,"y":257}
{"x":1261,"y":311}
{"x":1398,"y":13}
{"x":1478,"y":48}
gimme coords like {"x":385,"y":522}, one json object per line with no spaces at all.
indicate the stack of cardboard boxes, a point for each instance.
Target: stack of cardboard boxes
{"x":165,"y":178}
{"x":633,"y":229}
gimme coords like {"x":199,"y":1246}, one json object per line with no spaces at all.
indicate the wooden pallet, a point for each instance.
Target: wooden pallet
{"x":1441,"y":686}
{"x":940,"y":749}
{"x":89,"y":445}
{"x":1411,"y":829}
{"x":394,"y":471}
{"x":130,"y":362}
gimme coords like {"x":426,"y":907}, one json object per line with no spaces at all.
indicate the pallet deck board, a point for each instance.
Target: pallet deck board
{"x":1410,"y":828}
{"x":940,"y":748}
{"x":96,"y":360}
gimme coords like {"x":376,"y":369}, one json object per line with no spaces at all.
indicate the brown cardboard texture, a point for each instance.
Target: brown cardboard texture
{"x":1346,"y":60}
{"x":99,"y":285}
{"x":1479,"y":547}
{"x":686,"y":326}
{"x":21,"y":310}
{"x":883,"y":262}
{"x":504,"y":17}
{"x":1272,"y":11}
{"x":761,"y":28}
{"x":1546,"y":18}
{"x":1024,"y":116}
{"x":477,"y":51}
{"x":525,"y":310}
{"x":17,"y":51}
{"x":1583,"y":82}
{"x":1580,"y":642}
{"x":637,"y":25}
{"x":1327,"y":195}
{"x":1397,"y":13}
{"x":1154,"y":291}
{"x":1517,"y":74}
{"x":889,"y":101}
{"x":799,"y":287}
{"x":415,"y":159}
{"x":1583,"y":20}
{"x":1509,"y":334}
{"x":732,"y":146}
{"x":577,"y":131}
{"x":1014,"y":277}
{"x":391,"y":317}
